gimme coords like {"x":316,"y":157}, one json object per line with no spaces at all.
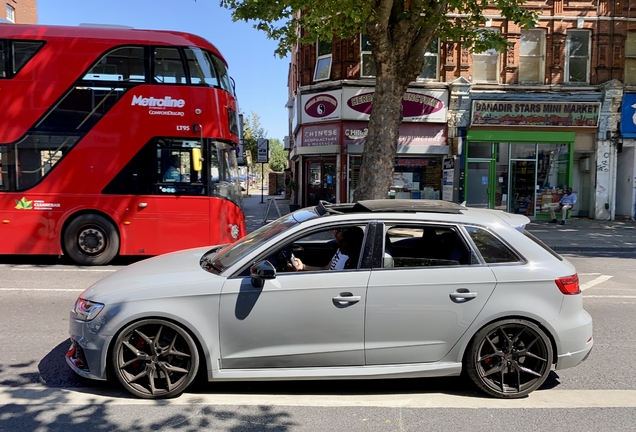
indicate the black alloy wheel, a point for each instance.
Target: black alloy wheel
{"x":91,"y":239}
{"x":155,"y":359}
{"x":509,"y":359}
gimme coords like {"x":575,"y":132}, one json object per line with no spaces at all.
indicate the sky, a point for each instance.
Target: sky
{"x":261,"y":77}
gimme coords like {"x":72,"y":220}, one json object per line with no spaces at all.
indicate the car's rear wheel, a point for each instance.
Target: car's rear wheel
{"x":91,"y":239}
{"x":509,"y":358}
{"x":155,"y":359}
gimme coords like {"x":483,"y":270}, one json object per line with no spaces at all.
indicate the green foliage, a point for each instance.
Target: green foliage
{"x":322,"y":19}
{"x":252,"y":131}
{"x":277,"y":155}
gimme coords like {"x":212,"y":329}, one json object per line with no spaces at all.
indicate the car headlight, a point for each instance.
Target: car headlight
{"x":87,"y":310}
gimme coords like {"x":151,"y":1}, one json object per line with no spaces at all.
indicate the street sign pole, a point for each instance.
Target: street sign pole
{"x":263,"y":158}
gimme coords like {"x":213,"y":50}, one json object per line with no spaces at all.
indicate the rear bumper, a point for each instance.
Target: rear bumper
{"x":568,"y":360}
{"x":575,"y":338}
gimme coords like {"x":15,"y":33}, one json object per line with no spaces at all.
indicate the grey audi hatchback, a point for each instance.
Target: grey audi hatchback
{"x":375,"y":289}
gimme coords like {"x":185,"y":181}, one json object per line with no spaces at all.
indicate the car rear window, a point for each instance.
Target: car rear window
{"x":491,"y":248}
{"x":543,"y":245}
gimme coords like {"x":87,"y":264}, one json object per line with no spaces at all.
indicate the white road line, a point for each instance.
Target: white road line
{"x":589,"y":274}
{"x":42,"y":289}
{"x":595,"y":282}
{"x":610,"y":296}
{"x":32,"y":268}
{"x":40,"y":395}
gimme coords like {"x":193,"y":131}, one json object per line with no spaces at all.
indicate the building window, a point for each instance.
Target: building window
{"x":367,"y":66}
{"x":430,"y":70}
{"x":323,"y":64}
{"x":10,"y":13}
{"x":577,"y":56}
{"x":532,"y":56}
{"x":630,"y":59}
{"x":486,"y":65}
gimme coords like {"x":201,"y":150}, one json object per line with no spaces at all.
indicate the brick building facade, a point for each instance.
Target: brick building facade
{"x":20,"y":11}
{"x":517,"y":127}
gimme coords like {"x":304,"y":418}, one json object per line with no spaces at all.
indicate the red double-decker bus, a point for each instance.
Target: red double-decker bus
{"x":115,"y":141}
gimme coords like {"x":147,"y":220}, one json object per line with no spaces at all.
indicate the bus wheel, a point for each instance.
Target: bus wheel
{"x":91,"y":240}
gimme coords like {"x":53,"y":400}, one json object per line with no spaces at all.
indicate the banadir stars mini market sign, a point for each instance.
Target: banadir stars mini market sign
{"x":511,"y":113}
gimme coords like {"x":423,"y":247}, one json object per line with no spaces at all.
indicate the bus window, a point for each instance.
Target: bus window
{"x":121,"y":64}
{"x":223,"y":76}
{"x":168,"y":67}
{"x":36,"y":155}
{"x":201,"y":70}
{"x":224,"y":172}
{"x":23,"y":51}
{"x":3,"y":67}
{"x":80,"y":109}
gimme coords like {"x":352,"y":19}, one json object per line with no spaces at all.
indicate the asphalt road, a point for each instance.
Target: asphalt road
{"x":38,"y":392}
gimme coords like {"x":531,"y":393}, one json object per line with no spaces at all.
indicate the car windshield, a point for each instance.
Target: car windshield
{"x":232,"y":253}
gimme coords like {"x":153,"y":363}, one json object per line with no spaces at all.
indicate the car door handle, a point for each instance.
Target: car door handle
{"x":345,"y":299}
{"x":462,"y":295}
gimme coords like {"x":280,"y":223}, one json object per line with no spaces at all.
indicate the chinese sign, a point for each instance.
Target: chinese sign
{"x":511,"y":113}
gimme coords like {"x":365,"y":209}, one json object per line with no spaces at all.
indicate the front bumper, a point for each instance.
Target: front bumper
{"x":88,"y":351}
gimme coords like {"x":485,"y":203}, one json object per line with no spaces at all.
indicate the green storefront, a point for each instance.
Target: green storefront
{"x":517,"y":171}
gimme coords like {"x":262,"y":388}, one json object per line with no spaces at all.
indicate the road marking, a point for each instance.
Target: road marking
{"x":611,"y":296}
{"x":42,"y":289}
{"x":589,"y":274}
{"x":595,"y":282}
{"x":44,"y":268}
{"x":41,"y":395}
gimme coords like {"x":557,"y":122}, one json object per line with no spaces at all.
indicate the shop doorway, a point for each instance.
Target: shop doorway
{"x":320,"y":181}
{"x":478,"y":189}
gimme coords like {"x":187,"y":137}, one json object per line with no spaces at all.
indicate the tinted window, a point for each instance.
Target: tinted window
{"x":3,"y":60}
{"x":543,"y":245}
{"x":80,"y":109}
{"x":23,"y":51}
{"x":424,"y":246}
{"x":491,"y":248}
{"x":36,"y":155}
{"x":125,"y":64}
{"x":224,"y":78}
{"x":168,"y":67}
{"x":202,"y":71}
{"x":162,"y":167}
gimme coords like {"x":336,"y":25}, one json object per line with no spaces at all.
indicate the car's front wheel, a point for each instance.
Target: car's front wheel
{"x":155,"y":359}
{"x":509,"y":358}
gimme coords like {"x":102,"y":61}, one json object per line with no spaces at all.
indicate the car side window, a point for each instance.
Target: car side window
{"x":424,"y":246}
{"x":491,"y":248}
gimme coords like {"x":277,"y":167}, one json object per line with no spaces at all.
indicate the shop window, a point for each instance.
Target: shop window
{"x":367,"y":67}
{"x":577,"y":56}
{"x":416,"y":178}
{"x":532,"y":56}
{"x":323,"y":62}
{"x":125,"y":64}
{"x":630,"y":59}
{"x":168,"y":67}
{"x":486,"y":64}
{"x":430,"y":71}
{"x":478,"y":150}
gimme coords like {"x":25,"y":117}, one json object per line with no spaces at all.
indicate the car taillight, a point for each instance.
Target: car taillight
{"x":569,"y":285}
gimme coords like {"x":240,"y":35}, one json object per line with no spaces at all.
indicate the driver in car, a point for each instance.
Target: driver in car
{"x":346,"y":257}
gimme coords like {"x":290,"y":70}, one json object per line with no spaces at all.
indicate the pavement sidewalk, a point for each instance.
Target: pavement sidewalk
{"x":577,"y":235}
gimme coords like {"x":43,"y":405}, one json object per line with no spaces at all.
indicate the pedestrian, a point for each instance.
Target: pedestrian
{"x":566,"y":203}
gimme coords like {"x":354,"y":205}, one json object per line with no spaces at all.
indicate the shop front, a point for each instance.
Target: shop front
{"x":509,"y":166}
{"x":418,"y":166}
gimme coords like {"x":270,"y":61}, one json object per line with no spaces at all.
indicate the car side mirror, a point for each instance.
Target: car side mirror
{"x":262,"y":271}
